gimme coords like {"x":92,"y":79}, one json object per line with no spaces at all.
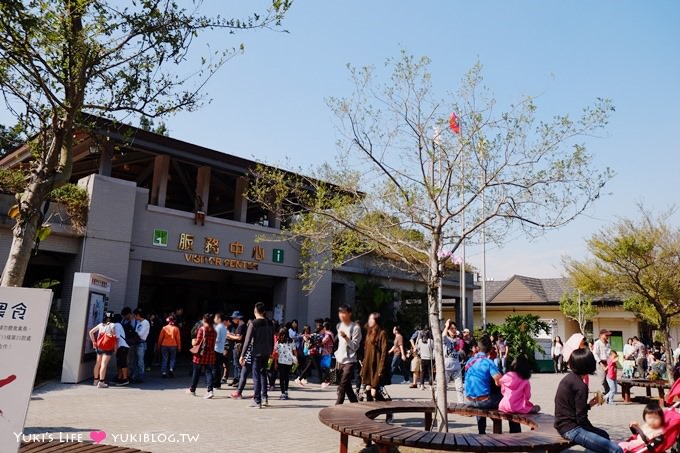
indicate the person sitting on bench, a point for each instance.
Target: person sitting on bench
{"x":480,"y":372}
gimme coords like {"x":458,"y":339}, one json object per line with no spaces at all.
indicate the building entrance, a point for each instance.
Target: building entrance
{"x":193,"y":291}
{"x":165,"y":288}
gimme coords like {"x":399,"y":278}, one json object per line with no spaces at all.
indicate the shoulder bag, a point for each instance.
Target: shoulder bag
{"x":198,"y":348}
{"x":106,"y":341}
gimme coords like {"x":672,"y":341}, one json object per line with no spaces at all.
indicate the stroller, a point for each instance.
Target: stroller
{"x":671,"y":431}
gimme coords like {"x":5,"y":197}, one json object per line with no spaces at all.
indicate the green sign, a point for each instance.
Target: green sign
{"x":160,"y":238}
{"x":277,"y":255}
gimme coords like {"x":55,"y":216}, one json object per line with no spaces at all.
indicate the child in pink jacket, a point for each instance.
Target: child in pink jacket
{"x":516,"y":391}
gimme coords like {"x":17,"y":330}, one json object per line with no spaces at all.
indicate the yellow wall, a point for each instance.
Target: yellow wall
{"x":497,"y":315}
{"x":612,"y":319}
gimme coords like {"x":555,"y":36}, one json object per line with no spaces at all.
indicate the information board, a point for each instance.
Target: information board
{"x":23,"y":318}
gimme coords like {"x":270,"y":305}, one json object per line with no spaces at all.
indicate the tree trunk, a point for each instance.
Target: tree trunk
{"x":664,"y":325}
{"x":52,"y":173}
{"x":440,"y":396}
{"x":433,"y":282}
{"x":24,"y":235}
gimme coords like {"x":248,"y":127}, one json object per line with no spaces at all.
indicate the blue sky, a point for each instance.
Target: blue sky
{"x":269,"y":103}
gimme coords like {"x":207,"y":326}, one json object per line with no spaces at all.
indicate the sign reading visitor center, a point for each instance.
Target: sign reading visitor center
{"x":23,"y":318}
{"x":277,"y":256}
{"x":211,"y":252}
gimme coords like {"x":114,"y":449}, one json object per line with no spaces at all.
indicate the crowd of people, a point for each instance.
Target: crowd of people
{"x":582,"y":360}
{"x":360,"y":360}
{"x":639,"y":359}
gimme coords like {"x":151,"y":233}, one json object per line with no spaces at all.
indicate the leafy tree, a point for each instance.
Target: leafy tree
{"x":61,"y":58}
{"x":638,"y":260}
{"x":373,"y":297}
{"x":10,"y":138}
{"x":148,"y":124}
{"x":401,"y":169}
{"x":579,"y":309}
{"x":520,"y":332}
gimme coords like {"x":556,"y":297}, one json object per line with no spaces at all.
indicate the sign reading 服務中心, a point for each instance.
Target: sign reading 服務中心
{"x":211,"y":251}
{"x":23,"y":318}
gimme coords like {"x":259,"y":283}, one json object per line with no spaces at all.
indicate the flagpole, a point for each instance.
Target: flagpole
{"x":483,"y":256}
{"x":454,"y":125}
{"x":463,"y":303}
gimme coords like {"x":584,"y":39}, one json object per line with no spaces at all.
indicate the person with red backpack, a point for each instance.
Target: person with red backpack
{"x":105,"y":344}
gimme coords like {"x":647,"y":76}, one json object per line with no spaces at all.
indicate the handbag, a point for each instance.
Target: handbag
{"x":106,"y":341}
{"x":334,"y":376}
{"x":383,"y":392}
{"x":198,"y":348}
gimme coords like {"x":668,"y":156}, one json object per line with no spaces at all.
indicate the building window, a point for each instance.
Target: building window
{"x":545,"y":338}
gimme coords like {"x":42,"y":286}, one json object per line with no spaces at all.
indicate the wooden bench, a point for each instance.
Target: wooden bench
{"x":72,"y":447}
{"x":627,"y":384}
{"x":358,"y":420}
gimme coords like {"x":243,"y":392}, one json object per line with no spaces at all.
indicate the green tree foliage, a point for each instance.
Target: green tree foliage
{"x":373,"y":297}
{"x":401,"y":170}
{"x":12,"y":181}
{"x":10,"y":138}
{"x":76,"y":201}
{"x":639,"y":261}
{"x":62,"y":58}
{"x":148,"y":124}
{"x":520,"y":332}
{"x":579,"y":309}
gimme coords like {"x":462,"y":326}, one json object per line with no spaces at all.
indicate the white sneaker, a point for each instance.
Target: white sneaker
{"x":208,"y":395}
{"x":325,"y":385}
{"x":298,"y":382}
{"x":96,"y":382}
{"x":102,"y":385}
{"x":304,"y":381}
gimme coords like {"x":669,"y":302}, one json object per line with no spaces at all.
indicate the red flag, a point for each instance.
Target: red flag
{"x":453,"y":123}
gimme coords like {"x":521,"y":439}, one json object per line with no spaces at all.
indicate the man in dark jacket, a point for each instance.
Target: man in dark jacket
{"x":261,"y":333}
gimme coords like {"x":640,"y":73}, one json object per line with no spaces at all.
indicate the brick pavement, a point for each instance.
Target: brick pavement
{"x":161,"y":408}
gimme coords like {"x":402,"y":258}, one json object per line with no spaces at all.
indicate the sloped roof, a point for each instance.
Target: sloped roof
{"x":530,"y":290}
{"x":523,"y":289}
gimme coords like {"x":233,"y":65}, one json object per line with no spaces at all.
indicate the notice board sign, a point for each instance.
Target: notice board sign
{"x":23,"y":318}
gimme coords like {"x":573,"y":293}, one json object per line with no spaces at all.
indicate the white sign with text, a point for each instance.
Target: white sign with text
{"x":23,"y":318}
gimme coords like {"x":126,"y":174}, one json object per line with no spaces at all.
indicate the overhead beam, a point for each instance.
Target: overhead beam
{"x":203,"y":187}
{"x":159,"y":186}
{"x":105,"y":159}
{"x":240,"y":200}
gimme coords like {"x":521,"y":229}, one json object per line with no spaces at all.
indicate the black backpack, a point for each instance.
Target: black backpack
{"x":131,"y":335}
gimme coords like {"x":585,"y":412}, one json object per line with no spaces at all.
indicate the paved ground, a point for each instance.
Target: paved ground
{"x":160,"y":408}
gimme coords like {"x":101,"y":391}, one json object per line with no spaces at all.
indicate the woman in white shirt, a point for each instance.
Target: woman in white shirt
{"x":425,"y":347}
{"x":557,"y":347}
{"x":629,"y":359}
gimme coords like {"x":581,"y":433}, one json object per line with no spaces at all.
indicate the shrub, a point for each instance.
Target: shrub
{"x":12,"y":181}
{"x":76,"y":201}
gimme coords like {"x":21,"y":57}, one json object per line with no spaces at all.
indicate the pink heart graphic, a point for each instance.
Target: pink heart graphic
{"x":97,"y":436}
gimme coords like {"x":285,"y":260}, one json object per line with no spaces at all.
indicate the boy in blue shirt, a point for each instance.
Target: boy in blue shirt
{"x":480,"y":370}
